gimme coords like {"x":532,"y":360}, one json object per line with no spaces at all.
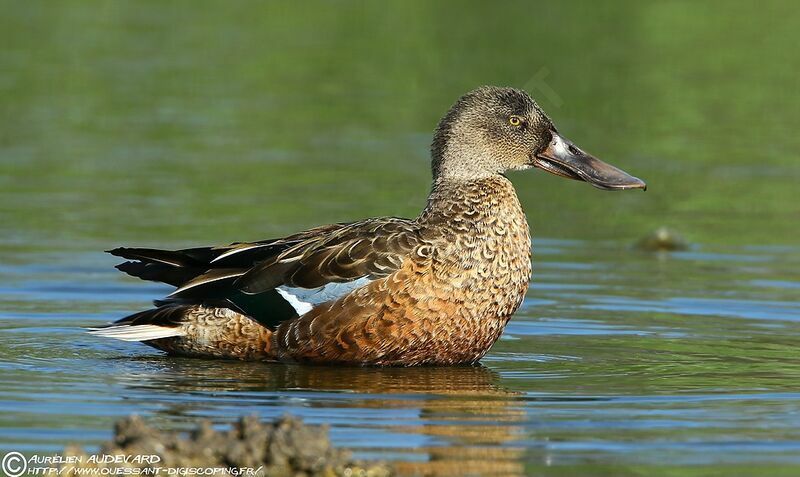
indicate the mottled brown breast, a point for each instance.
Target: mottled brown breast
{"x":447,"y":304}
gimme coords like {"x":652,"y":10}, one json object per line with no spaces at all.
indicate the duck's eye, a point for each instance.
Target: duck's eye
{"x":515,"y":121}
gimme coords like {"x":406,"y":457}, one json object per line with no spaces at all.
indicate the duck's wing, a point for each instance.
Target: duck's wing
{"x":179,"y":267}
{"x":274,"y":280}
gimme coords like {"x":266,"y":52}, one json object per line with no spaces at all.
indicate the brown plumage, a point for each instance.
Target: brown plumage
{"x":438,"y":289}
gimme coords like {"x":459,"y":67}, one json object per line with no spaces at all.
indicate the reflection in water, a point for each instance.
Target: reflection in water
{"x":584,"y":375}
{"x":457,"y":405}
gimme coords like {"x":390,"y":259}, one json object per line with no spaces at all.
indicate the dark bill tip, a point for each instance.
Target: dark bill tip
{"x":564,"y":159}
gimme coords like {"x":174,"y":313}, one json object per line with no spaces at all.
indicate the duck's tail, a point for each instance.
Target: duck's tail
{"x":174,"y":267}
{"x":194,"y":330}
{"x":158,"y":323}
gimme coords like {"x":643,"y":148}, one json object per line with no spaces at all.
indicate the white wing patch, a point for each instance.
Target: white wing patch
{"x":137,"y":332}
{"x":300,"y":306}
{"x":304,"y":300}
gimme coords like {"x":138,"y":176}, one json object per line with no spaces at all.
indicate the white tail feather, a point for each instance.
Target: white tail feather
{"x":137,"y":332}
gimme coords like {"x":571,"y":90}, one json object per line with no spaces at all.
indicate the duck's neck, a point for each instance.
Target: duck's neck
{"x":483,"y":244}
{"x":490,"y":199}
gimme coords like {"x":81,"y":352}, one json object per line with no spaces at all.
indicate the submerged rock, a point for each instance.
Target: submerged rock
{"x":662,"y":239}
{"x":285,"y":447}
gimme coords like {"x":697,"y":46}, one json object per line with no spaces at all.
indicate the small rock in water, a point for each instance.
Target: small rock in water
{"x":663,"y":239}
{"x":285,"y":447}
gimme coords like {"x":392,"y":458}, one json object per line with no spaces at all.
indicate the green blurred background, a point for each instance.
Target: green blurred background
{"x":195,"y":122}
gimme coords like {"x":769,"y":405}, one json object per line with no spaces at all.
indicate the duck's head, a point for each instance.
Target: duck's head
{"x":492,"y":130}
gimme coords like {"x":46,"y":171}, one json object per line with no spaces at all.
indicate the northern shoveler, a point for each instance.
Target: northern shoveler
{"x":437,"y":289}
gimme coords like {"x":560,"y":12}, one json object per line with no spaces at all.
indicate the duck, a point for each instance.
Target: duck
{"x":438,"y":289}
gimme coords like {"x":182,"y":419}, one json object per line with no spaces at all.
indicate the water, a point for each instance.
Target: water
{"x":171,"y":126}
